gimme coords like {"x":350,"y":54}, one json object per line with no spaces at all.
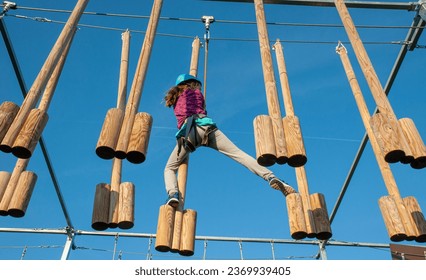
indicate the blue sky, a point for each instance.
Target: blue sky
{"x":229,"y":200}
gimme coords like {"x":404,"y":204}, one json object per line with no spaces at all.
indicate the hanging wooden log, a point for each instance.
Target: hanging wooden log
{"x":126,"y":218}
{"x":8,"y":112}
{"x":189,"y":222}
{"x":42,"y":78}
{"x":392,"y":219}
{"x":21,"y":196}
{"x":291,"y":125}
{"x":383,"y":129}
{"x":30,"y":133}
{"x":302,"y":183}
{"x":414,"y":209}
{"x":4,"y":180}
{"x":400,"y":226}
{"x":164,"y":236}
{"x":101,"y":207}
{"x":415,"y":142}
{"x":296,"y":216}
{"x":376,"y":88}
{"x":319,"y":211}
{"x":20,"y":166}
{"x":270,"y":85}
{"x":138,"y":82}
{"x":139,"y":139}
{"x":264,"y":139}
{"x":105,"y":148}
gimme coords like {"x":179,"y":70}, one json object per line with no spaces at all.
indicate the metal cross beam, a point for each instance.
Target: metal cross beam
{"x":409,"y":6}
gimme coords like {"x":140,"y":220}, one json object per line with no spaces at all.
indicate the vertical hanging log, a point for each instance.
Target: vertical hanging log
{"x":139,"y":139}
{"x":189,"y":222}
{"x":42,"y":78}
{"x":264,"y":140}
{"x":22,"y":194}
{"x":20,"y":166}
{"x":415,"y":142}
{"x":319,"y":211}
{"x":101,"y":207}
{"x":164,"y":236}
{"x":408,"y":228}
{"x":270,"y":85}
{"x":8,"y":112}
{"x":373,"y":81}
{"x":4,"y":180}
{"x":114,"y":202}
{"x":296,"y":216}
{"x":414,"y":209}
{"x":291,"y":125}
{"x":126,"y":217}
{"x":138,"y":82}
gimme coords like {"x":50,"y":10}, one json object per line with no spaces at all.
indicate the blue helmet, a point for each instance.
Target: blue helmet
{"x":184,"y":78}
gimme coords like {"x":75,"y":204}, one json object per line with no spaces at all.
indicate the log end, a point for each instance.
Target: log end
{"x":5,"y":148}
{"x":162,"y":248}
{"x":105,"y":152}
{"x":398,"y":237}
{"x":298,"y":235}
{"x":21,"y":152}
{"x":324,"y":235}
{"x":99,"y":226}
{"x":135,"y":157}
{"x":419,"y":163}
{"x":16,"y":213}
{"x":125,"y":224}
{"x":266,"y":160}
{"x":282,"y":160}
{"x":394,"y":156}
{"x":186,"y":253}
{"x":120,"y":154}
{"x":297,"y":160}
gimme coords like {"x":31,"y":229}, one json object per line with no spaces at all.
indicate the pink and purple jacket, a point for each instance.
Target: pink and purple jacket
{"x":190,"y":102}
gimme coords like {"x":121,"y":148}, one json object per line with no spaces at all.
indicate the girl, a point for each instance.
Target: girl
{"x":196,"y":129}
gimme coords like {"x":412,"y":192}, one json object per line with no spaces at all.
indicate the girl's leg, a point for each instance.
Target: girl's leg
{"x":221,"y":143}
{"x":171,"y":169}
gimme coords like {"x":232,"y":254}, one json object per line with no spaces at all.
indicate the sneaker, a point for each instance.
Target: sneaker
{"x":280,"y":185}
{"x":173,"y":200}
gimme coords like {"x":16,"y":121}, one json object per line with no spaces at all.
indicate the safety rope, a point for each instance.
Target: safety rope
{"x":207,"y":20}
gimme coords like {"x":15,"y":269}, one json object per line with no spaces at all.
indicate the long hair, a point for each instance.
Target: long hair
{"x":173,"y":93}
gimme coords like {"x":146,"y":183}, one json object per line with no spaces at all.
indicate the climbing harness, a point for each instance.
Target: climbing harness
{"x":192,"y":139}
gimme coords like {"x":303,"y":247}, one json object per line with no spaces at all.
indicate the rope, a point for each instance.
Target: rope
{"x":207,"y":20}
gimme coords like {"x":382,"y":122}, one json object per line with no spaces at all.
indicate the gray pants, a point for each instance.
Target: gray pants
{"x":219,"y":142}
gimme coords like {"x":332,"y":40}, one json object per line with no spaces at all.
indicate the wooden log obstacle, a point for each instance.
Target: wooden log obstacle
{"x":403,"y":217}
{"x":16,"y":189}
{"x":399,"y":141}
{"x":22,"y":130}
{"x":125,"y":135}
{"x":307,"y":213}
{"x":176,"y":227}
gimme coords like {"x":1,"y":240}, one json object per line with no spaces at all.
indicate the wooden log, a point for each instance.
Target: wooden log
{"x":322,"y":222}
{"x":114,"y":198}
{"x":296,"y":217}
{"x":264,"y":140}
{"x":294,"y":141}
{"x":177,"y":231}
{"x":384,"y":167}
{"x":414,"y":209}
{"x":415,"y":142}
{"x":45,"y":73}
{"x":164,"y":236}
{"x":101,"y":207}
{"x":4,"y":180}
{"x":30,"y":134}
{"x":21,"y":196}
{"x":126,"y":216}
{"x":139,"y":139}
{"x":189,"y":222}
{"x":138,"y":82}
{"x":20,"y":166}
{"x":393,"y":221}
{"x":270,"y":84}
{"x":389,"y":142}
{"x":8,"y":112}
{"x":302,"y":183}
{"x":105,"y":148}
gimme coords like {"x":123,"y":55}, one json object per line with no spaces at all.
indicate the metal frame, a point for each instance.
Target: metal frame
{"x":411,"y":43}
